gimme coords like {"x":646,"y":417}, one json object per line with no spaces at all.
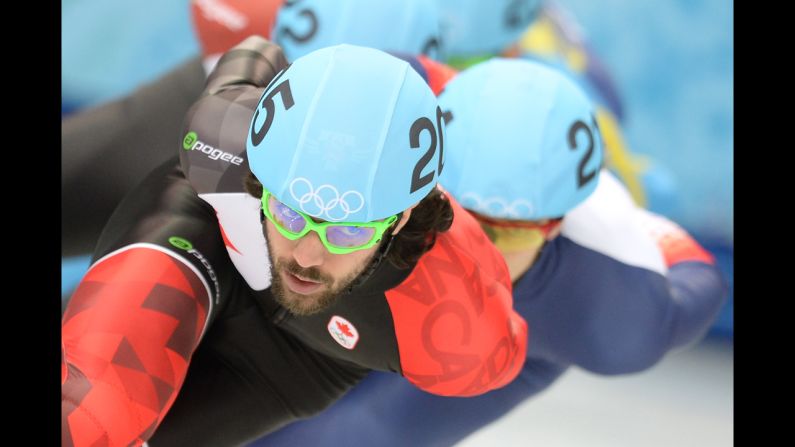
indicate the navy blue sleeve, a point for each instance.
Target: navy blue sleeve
{"x":588,"y":309}
{"x":698,"y":292}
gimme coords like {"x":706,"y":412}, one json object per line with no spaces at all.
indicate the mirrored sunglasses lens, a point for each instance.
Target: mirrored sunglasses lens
{"x":285,"y":216}
{"x":348,"y":236}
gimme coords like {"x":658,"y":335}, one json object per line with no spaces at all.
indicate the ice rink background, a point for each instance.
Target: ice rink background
{"x":686,"y":400}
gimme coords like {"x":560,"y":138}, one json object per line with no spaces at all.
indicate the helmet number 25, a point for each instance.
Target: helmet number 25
{"x":578,"y":126}
{"x":423,"y":123}
{"x":287,"y":101}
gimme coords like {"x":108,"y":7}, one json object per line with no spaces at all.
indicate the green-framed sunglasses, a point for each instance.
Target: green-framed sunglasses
{"x":338,"y":238}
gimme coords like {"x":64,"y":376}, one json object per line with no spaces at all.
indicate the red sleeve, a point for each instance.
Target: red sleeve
{"x":673,"y":241}
{"x":457,"y":332}
{"x":439,"y":74}
{"x":128,"y":334}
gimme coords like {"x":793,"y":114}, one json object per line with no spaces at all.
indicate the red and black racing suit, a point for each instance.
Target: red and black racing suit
{"x":165,"y":341}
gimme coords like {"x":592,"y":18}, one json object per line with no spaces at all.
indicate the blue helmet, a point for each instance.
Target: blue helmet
{"x":404,"y":26}
{"x":524,"y":141}
{"x":475,"y":27}
{"x":347,"y":134}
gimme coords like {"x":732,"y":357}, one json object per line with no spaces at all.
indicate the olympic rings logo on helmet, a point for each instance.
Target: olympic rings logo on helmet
{"x":497,"y":206}
{"x":336,"y":209}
